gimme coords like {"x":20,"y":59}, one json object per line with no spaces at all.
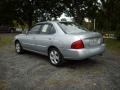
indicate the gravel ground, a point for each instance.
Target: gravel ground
{"x":31,"y":71}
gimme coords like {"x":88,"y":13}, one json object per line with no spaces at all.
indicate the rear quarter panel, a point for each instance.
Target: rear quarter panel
{"x":63,"y":42}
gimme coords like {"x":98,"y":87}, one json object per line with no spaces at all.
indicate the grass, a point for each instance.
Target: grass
{"x":113,"y":45}
{"x":5,"y":39}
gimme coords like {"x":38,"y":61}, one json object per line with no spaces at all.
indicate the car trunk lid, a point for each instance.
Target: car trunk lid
{"x":90,"y":39}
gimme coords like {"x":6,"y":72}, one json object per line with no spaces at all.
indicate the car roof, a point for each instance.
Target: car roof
{"x":53,"y":22}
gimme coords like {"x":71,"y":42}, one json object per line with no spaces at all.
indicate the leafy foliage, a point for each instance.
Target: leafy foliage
{"x":27,"y":11}
{"x":82,"y":8}
{"x":108,"y":17}
{"x":106,"y":12}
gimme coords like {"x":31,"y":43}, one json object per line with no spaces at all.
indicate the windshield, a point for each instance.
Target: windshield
{"x":71,"y":28}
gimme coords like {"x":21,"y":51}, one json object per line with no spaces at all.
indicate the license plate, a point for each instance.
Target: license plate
{"x":94,"y":41}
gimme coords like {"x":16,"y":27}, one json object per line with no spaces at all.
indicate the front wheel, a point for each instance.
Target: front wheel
{"x":18,"y":47}
{"x":55,"y":57}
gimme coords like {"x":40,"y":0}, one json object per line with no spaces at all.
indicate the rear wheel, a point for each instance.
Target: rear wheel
{"x":12,"y":30}
{"x":55,"y":57}
{"x":18,"y":47}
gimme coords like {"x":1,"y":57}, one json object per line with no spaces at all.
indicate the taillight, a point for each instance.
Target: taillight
{"x":77,"y":44}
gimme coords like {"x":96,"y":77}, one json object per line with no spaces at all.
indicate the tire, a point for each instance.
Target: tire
{"x":18,"y":47}
{"x":12,"y":30}
{"x":55,"y":57}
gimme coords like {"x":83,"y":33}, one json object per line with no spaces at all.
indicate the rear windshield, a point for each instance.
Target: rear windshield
{"x":71,"y":28}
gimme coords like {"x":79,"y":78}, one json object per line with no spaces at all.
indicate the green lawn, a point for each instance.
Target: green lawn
{"x":6,"y":39}
{"x":113,"y":45}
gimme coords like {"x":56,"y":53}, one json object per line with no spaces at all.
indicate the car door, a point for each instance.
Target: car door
{"x":46,"y":37}
{"x":29,"y":39}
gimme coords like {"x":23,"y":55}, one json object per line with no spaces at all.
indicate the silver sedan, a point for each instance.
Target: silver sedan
{"x":59,"y":41}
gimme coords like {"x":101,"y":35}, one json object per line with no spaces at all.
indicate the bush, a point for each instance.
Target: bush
{"x":117,"y":35}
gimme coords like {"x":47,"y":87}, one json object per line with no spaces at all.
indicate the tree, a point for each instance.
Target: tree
{"x":29,"y":11}
{"x":34,"y":10}
{"x":80,"y":9}
{"x":7,"y":12}
{"x":108,"y":17}
{"x":106,"y":13}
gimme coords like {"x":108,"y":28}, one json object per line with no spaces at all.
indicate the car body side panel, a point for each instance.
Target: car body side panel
{"x":43,"y":42}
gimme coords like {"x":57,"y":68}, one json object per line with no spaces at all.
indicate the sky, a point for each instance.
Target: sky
{"x":63,"y":16}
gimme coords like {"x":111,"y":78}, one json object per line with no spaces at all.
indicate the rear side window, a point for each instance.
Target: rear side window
{"x":47,"y":29}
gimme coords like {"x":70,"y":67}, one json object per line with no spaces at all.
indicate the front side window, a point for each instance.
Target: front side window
{"x":35,"y":29}
{"x":71,"y":28}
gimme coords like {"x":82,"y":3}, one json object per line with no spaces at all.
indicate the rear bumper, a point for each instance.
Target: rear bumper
{"x":79,"y":54}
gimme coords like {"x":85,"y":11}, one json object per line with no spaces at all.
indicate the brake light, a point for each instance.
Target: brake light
{"x":77,"y":44}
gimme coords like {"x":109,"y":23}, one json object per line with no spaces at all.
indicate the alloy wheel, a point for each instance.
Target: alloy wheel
{"x":54,"y":57}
